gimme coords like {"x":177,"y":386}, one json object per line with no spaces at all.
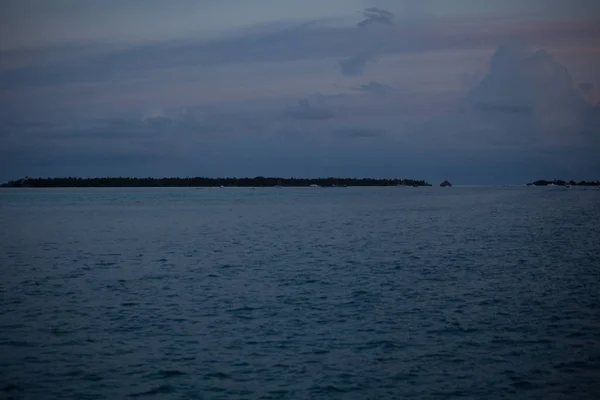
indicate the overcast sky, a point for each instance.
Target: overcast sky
{"x":473,"y":91}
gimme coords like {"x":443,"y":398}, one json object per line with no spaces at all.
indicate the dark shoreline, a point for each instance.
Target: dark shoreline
{"x":207,"y":182}
{"x":558,"y":182}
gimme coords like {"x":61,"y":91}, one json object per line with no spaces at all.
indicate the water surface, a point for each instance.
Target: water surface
{"x":300,"y":293}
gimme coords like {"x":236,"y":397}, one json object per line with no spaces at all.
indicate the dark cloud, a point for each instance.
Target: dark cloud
{"x":356,"y":65}
{"x":375,"y":15}
{"x":305,"y":111}
{"x":469,"y":80}
{"x":586,"y":87}
{"x":375,"y":88}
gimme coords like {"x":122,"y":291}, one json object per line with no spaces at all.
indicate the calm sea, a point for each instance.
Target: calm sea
{"x":307,"y":293}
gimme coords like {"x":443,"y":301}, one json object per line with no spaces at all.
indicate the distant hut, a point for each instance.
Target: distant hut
{"x":445,"y":184}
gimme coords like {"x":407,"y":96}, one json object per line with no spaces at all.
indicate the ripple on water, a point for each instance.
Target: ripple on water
{"x":159,"y":390}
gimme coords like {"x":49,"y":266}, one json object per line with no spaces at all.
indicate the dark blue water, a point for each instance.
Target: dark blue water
{"x":375,"y":293}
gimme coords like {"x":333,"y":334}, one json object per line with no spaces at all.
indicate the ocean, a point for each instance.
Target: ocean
{"x":300,"y":293}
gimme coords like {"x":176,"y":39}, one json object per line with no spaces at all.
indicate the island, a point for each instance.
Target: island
{"x":558,"y":182}
{"x":259,"y":181}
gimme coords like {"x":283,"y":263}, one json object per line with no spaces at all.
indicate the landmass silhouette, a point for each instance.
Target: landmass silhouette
{"x":558,"y":182}
{"x":258,"y":181}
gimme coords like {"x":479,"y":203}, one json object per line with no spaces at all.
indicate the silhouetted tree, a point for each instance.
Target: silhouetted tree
{"x":259,"y":181}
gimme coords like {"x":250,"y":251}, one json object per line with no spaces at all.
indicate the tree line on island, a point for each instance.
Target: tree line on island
{"x":558,"y":182}
{"x":258,"y":181}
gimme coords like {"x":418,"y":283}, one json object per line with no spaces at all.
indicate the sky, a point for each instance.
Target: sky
{"x":473,"y":91}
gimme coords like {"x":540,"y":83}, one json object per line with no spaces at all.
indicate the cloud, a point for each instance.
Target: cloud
{"x":529,"y":98}
{"x":358,"y":132}
{"x":519,"y":81}
{"x":376,"y":15}
{"x":276,"y":43}
{"x":586,"y":87}
{"x":525,"y":105}
{"x":180,"y":141}
{"x":356,"y":65}
{"x":305,"y":111}
{"x":363,"y":138}
{"x":375,"y":88}
{"x":125,"y":133}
